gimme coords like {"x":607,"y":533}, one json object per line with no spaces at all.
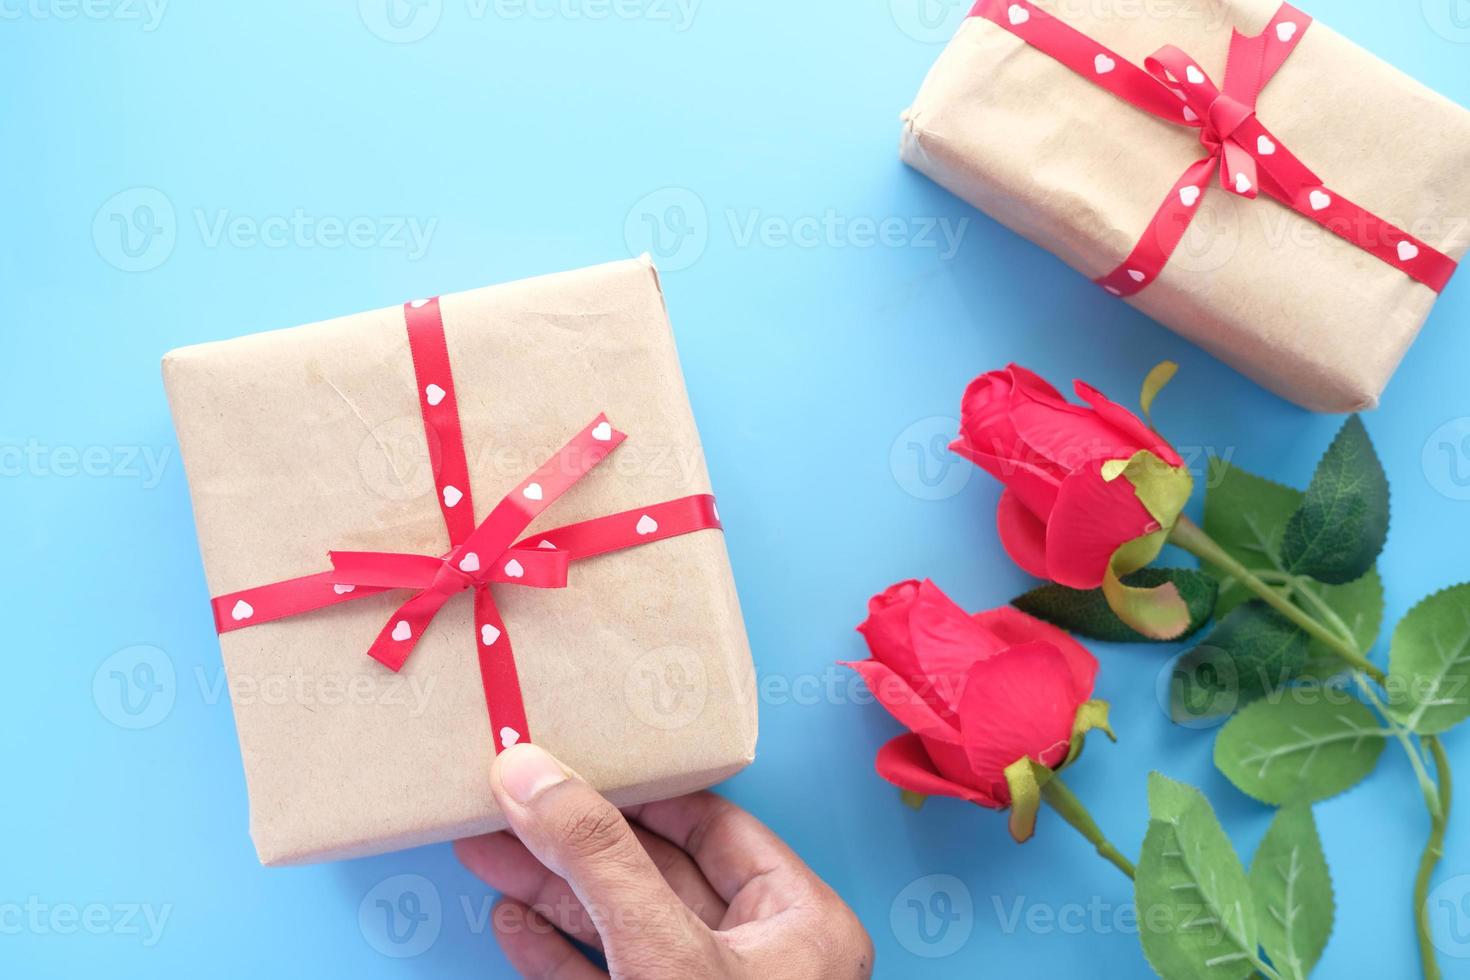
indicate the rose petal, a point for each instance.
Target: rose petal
{"x":947,"y":641}
{"x":1022,"y":534}
{"x":1130,"y":425}
{"x":1091,"y":520}
{"x":1016,"y":628}
{"x":1019,"y":703}
{"x":887,"y":628}
{"x":987,"y":432}
{"x":914,"y":711}
{"x":905,"y":764}
{"x":1070,"y":436}
{"x":1035,"y":485}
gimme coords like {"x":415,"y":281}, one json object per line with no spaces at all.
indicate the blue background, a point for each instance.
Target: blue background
{"x":538,"y":143}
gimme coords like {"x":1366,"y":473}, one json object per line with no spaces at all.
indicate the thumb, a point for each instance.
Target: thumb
{"x":583,"y":838}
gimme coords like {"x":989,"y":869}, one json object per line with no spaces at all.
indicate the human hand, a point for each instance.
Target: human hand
{"x":692,"y":887}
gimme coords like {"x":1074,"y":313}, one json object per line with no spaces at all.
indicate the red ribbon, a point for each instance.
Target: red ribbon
{"x":479,"y":555}
{"x":1173,"y":87}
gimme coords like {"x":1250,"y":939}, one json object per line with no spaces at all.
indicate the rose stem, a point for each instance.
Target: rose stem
{"x":1189,"y":536}
{"x":1061,"y":799}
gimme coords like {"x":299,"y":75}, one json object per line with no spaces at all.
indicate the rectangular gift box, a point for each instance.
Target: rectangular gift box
{"x":1081,"y":172}
{"x":297,"y":442}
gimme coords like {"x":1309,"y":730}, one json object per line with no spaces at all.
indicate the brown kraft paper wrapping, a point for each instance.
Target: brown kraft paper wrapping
{"x":1080,"y":172}
{"x":306,"y":440}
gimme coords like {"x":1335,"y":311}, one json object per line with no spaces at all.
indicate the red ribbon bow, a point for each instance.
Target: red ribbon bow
{"x":478,"y":555}
{"x":1250,"y":158}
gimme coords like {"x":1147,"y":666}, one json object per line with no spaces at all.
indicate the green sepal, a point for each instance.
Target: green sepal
{"x":1157,"y":380}
{"x":912,"y":800}
{"x":1025,"y":777}
{"x":1092,"y":716}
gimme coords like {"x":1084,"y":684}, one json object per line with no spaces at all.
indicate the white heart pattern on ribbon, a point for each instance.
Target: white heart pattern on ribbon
{"x":547,"y":545}
{"x":1320,"y":200}
{"x":344,"y":589}
{"x":1286,"y":31}
{"x":419,"y":304}
{"x":489,"y":634}
{"x":402,"y":631}
{"x":647,"y":525}
{"x":1195,"y":76}
{"x":452,"y":495}
{"x":1113,"y":290}
{"x":1242,"y":184}
{"x":242,"y":611}
{"x":514,"y":569}
{"x":1104,"y":64}
{"x":434,"y":394}
{"x":509,"y":737}
{"x":602,"y":432}
{"x":1264,"y":146}
{"x":1136,"y":276}
{"x":533,"y":492}
{"x":1408,"y":251}
{"x":1018,"y":14}
{"x":470,"y":563}
{"x":1189,"y":196}
{"x":1190,"y":115}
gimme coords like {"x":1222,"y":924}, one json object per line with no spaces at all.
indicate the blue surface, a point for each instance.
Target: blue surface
{"x":538,"y":136}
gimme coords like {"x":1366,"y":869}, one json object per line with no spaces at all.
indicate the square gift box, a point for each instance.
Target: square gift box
{"x":313,"y":440}
{"x":1071,"y":123}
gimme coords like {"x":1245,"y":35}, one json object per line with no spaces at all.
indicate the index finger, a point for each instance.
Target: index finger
{"x":730,"y":846}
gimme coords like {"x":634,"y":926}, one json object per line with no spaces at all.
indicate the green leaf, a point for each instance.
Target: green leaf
{"x":1196,"y":915}
{"x":912,"y":800}
{"x":1247,"y":515}
{"x":1306,"y":746}
{"x":1087,"y":613}
{"x":1342,"y":525}
{"x":1293,"y":892}
{"x":1429,"y":663}
{"x":1251,"y":652}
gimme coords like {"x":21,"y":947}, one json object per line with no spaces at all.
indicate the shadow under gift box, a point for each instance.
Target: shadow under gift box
{"x":1081,"y":172}
{"x":297,"y":442}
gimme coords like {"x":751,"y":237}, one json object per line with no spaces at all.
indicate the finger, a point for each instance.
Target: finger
{"x":504,"y":863}
{"x":583,"y":838}
{"x":534,"y":947}
{"x":731,"y":847}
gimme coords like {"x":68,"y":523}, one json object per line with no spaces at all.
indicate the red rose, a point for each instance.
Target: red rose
{"x":978,"y":693}
{"x":1077,"y":488}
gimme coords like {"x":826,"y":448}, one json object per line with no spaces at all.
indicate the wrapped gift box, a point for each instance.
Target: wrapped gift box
{"x":306,"y":440}
{"x":1081,"y":172}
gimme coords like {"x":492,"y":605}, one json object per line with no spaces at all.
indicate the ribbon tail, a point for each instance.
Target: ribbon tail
{"x":400,"y":635}
{"x":1165,"y":232}
{"x":499,"y":676}
{"x":630,"y":528}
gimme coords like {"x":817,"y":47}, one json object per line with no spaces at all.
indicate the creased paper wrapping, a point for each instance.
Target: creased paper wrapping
{"x":1080,"y":172}
{"x":306,"y":440}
